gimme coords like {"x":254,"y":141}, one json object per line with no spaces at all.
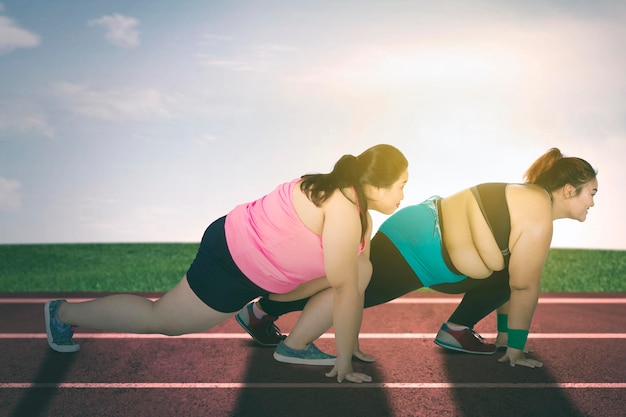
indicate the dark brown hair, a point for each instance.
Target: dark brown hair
{"x":379,"y":166}
{"x":552,"y":171}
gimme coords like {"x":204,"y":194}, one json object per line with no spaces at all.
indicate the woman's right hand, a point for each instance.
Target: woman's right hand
{"x":343,"y":370}
{"x":517,"y":357}
{"x":503,"y":339}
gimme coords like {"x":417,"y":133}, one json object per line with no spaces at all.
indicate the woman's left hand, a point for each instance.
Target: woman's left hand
{"x":363,"y":357}
{"x":517,"y":357}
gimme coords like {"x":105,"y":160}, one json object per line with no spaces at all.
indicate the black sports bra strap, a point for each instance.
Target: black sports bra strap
{"x":491,"y":199}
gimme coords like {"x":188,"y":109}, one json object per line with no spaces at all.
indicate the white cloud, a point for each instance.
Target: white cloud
{"x":260,"y":57}
{"x":10,"y":198}
{"x":216,"y":37}
{"x":26,"y":123}
{"x":13,"y":37}
{"x":21,"y":118}
{"x":119,"y":104}
{"x":228,"y":64}
{"x":120,"y":30}
{"x":556,"y":78}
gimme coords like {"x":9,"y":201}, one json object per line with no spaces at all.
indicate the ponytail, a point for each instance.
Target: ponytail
{"x":379,"y":166}
{"x":552,"y":171}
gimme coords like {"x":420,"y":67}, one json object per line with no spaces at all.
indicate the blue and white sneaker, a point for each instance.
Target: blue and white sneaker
{"x":59,"y":333}
{"x":311,"y":355}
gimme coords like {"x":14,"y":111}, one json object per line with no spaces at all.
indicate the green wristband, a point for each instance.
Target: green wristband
{"x":502,"y":323}
{"x":517,"y":338}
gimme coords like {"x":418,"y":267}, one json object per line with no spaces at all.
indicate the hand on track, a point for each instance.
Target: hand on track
{"x":517,"y":357}
{"x":357,"y":377}
{"x":344,"y":371}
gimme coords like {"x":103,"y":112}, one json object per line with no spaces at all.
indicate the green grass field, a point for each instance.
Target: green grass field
{"x":156,"y":267}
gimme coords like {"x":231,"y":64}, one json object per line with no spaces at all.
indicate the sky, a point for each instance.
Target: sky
{"x":144,"y":121}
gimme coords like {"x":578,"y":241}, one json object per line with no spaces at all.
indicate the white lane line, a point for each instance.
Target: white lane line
{"x":402,"y":300}
{"x":324,"y":336}
{"x":546,"y":300}
{"x":217,"y":385}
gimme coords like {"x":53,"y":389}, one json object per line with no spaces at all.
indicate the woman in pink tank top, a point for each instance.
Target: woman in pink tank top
{"x":307,"y":238}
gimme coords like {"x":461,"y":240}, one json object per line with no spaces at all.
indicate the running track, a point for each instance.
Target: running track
{"x":580,"y":338}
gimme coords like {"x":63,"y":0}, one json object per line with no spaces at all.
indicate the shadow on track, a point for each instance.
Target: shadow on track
{"x":342,"y":399}
{"x":36,"y":401}
{"x":510,"y":402}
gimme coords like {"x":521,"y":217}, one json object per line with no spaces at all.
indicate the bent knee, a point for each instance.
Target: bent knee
{"x":365,"y":275}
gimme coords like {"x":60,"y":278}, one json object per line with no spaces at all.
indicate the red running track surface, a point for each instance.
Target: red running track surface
{"x":581,"y":338}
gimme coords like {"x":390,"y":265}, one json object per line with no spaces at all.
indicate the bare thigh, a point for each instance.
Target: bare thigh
{"x":181,"y":311}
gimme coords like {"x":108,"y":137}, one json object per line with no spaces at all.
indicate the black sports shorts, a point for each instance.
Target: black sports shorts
{"x":214,"y":277}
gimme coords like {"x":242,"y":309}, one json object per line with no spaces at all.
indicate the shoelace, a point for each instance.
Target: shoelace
{"x":477,"y":336}
{"x":271,"y":328}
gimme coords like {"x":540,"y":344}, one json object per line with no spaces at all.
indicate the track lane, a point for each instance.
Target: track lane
{"x":232,"y":377}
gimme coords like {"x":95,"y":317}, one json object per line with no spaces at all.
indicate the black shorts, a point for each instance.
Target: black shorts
{"x":214,"y":277}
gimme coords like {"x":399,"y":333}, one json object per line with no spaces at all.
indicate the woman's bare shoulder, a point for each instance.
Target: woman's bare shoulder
{"x":528,"y":191}
{"x":530,"y":207}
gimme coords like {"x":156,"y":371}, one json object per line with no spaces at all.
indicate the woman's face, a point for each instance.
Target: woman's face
{"x":387,"y":200}
{"x":580,"y":204}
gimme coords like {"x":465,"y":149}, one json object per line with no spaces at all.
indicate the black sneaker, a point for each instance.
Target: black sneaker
{"x":466,"y":340}
{"x":263,"y":331}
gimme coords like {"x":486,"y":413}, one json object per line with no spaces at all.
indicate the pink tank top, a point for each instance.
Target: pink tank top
{"x":270,"y":244}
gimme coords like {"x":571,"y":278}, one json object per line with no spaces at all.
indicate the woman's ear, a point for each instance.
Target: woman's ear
{"x":569,"y":191}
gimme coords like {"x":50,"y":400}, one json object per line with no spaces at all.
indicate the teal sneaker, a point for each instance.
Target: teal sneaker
{"x":311,"y":355}
{"x":59,"y":333}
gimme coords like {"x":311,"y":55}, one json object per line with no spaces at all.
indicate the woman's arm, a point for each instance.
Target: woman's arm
{"x":528,"y":256}
{"x":304,"y":290}
{"x":348,"y":274}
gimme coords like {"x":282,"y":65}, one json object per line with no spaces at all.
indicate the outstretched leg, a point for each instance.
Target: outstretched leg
{"x":179,"y":311}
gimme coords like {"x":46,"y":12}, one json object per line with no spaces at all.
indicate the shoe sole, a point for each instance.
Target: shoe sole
{"x":300,"y":361}
{"x":243,"y":325}
{"x":54,"y":346}
{"x":460,"y":349}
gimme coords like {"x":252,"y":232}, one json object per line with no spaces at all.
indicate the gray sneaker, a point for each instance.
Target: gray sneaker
{"x":59,"y":333}
{"x":311,"y":355}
